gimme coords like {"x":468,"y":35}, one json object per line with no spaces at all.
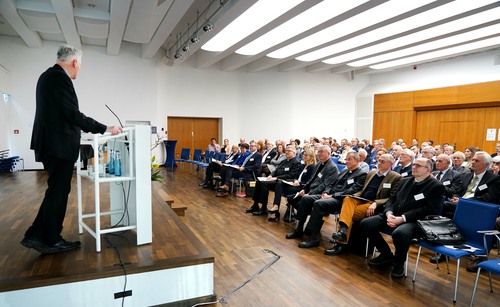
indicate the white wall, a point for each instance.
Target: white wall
{"x":5,"y":87}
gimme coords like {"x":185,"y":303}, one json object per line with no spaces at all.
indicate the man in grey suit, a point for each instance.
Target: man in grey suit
{"x":56,"y":142}
{"x":458,"y":159}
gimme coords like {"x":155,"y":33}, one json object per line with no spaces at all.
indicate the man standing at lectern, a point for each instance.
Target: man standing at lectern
{"x":56,"y":142}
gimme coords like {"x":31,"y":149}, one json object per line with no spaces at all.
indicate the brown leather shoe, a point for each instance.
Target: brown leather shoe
{"x":472,"y":265}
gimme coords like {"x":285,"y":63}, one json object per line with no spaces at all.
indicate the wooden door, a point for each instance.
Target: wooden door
{"x":192,"y":132}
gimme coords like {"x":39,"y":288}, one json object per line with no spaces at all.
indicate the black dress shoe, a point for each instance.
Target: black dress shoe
{"x":335,"y":250}
{"x":207,"y":186}
{"x":62,"y":246}
{"x":382,"y":260}
{"x":294,"y":234}
{"x":309,"y":243}
{"x":398,"y":271}
{"x":260,"y":212}
{"x":339,"y":236}
{"x":252,"y":209}
{"x":43,"y":248}
{"x":35,"y":244}
{"x":203,"y":183}
{"x":438,"y":259}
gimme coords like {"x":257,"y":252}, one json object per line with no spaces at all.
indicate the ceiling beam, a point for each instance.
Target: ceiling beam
{"x":9,"y":12}
{"x":169,"y":22}
{"x":66,"y":19}
{"x":118,"y":20}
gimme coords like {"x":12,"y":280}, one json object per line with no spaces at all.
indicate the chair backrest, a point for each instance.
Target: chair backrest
{"x":340,"y":167}
{"x":185,"y":153}
{"x":472,"y":216}
{"x":216,"y":157}
{"x":207,"y":157}
{"x":197,"y":154}
{"x":335,"y":160}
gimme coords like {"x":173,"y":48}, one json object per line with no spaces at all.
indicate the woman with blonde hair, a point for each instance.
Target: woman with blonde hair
{"x":469,"y":154}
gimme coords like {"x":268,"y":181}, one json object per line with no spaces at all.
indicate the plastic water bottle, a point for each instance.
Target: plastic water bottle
{"x":111,"y":162}
{"x":102,"y":162}
{"x":118,"y":164}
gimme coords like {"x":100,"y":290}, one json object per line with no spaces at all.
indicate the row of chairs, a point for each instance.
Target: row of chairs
{"x":9,"y":164}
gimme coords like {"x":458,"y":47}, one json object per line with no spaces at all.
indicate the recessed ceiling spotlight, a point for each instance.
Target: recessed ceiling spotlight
{"x":91,"y":5}
{"x":208,"y":27}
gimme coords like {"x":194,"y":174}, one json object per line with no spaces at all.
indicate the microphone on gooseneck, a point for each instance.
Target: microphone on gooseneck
{"x":126,"y":139}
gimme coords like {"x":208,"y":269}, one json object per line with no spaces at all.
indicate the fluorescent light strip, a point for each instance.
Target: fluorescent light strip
{"x":440,"y":53}
{"x":424,"y":18}
{"x":445,"y":42}
{"x":457,"y":25}
{"x":358,"y":22}
{"x":310,"y":18}
{"x":257,"y":16}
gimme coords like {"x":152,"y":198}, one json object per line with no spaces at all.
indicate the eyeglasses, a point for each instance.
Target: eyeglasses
{"x":418,"y":165}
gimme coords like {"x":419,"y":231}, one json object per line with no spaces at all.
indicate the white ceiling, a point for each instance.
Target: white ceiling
{"x":163,"y":24}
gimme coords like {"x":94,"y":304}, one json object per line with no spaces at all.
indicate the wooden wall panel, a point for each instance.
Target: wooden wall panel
{"x":487,"y":93}
{"x":393,"y":125}
{"x":491,"y":120}
{"x":432,"y":98}
{"x":394,"y":102}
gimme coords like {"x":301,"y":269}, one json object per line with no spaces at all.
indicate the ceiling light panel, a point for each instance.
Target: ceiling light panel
{"x":413,"y":22}
{"x":345,"y":27}
{"x":445,"y":29}
{"x":257,"y":16}
{"x":312,"y":17}
{"x":487,"y":43}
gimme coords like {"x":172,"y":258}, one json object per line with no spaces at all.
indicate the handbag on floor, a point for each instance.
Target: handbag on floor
{"x":440,"y":230}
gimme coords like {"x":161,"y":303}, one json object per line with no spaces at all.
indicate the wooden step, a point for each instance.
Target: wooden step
{"x":178,"y":209}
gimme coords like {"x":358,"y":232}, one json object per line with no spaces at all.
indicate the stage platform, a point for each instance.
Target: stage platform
{"x":175,"y":270}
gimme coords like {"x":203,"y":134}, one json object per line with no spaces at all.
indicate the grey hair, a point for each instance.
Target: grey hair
{"x":67,"y":53}
{"x":486,"y":157}
{"x":363,"y":152}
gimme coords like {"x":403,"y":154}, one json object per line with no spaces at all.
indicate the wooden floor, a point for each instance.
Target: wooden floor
{"x":301,"y":277}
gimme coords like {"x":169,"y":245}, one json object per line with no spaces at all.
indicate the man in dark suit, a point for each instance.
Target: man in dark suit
{"x":451,"y":180}
{"x":479,"y":184}
{"x":287,"y":170}
{"x":215,"y":167}
{"x":415,"y":198}
{"x":56,"y":142}
{"x":349,"y":181}
{"x":405,"y":161}
{"x":458,"y":159}
{"x":379,"y":185}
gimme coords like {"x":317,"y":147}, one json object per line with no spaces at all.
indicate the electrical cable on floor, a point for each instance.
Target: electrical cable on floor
{"x":223,"y":299}
{"x":121,"y":264}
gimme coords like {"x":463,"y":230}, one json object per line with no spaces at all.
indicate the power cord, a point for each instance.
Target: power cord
{"x":120,"y":263}
{"x":223,"y":299}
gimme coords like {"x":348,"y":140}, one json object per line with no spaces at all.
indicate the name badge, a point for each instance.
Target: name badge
{"x":386,"y":185}
{"x":482,"y":187}
{"x":320,"y":175}
{"x":350,"y":181}
{"x":419,"y":196}
{"x":251,"y":159}
{"x":287,"y":169}
{"x":404,"y":174}
{"x":447,"y":182}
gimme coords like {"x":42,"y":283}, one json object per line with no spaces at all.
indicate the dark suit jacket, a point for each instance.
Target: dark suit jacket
{"x":269,"y":157}
{"x":58,"y":120}
{"x":416,"y":200}
{"x":452,"y":182}
{"x":309,"y":171}
{"x":287,"y":169}
{"x":347,"y":183}
{"x":383,"y":191}
{"x":403,"y":171}
{"x":461,"y":169}
{"x":252,"y":165}
{"x":320,"y":182}
{"x":488,"y":189}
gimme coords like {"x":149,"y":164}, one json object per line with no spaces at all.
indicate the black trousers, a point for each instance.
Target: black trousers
{"x":282,"y":189}
{"x":48,"y":223}
{"x":211,"y":169}
{"x":401,"y":236}
{"x":322,"y":207}
{"x":261,"y":193}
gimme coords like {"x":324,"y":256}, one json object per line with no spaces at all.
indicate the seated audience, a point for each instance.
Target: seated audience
{"x":479,"y":184}
{"x":287,"y":170}
{"x":325,"y":174}
{"x":469,"y":154}
{"x":379,"y":186}
{"x":448,"y":150}
{"x":415,"y":198}
{"x":396,"y":153}
{"x":497,"y":150}
{"x":495,"y":165}
{"x":211,"y":146}
{"x":349,"y":181}
{"x":268,"y":168}
{"x":429,"y":152}
{"x":362,"y":160}
{"x":215,"y":167}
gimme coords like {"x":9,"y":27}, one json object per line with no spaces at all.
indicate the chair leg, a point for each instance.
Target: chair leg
{"x":406,"y":264}
{"x":491,"y":286}
{"x":456,"y":281}
{"x":475,"y":287}
{"x":416,"y":264}
{"x":366,"y":249}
